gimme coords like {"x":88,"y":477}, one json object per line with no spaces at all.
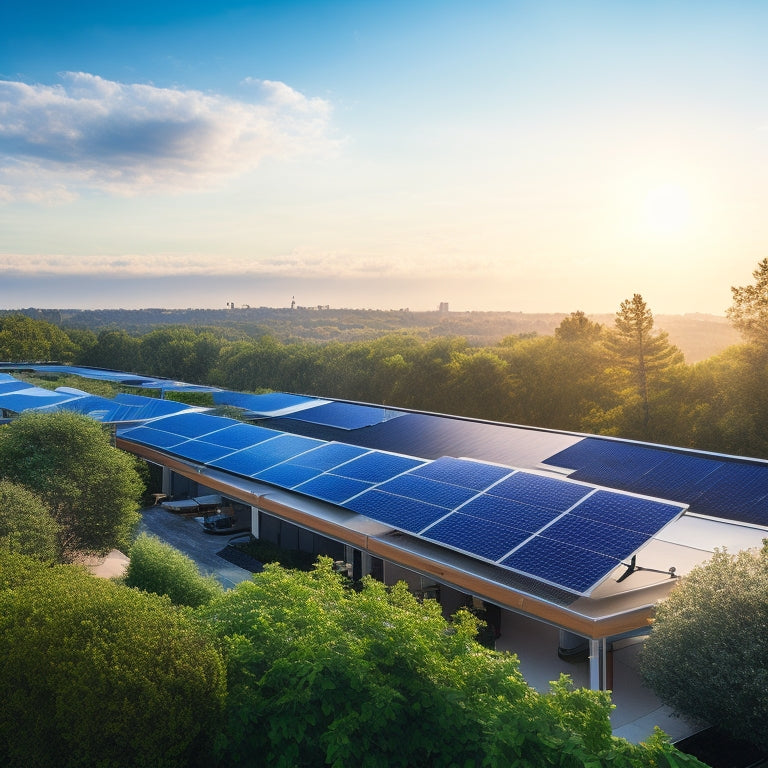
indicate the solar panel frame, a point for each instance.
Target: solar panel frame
{"x":377,"y":466}
{"x":466,"y":473}
{"x":538,"y":490}
{"x":423,"y":489}
{"x":333,"y":488}
{"x":398,"y":511}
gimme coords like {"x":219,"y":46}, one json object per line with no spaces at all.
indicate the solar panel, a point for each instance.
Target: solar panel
{"x":440,"y":494}
{"x":333,"y":488}
{"x":376,"y":467}
{"x":484,"y":538}
{"x":736,"y":492}
{"x":618,"y":543}
{"x":406,"y":514}
{"x":241,"y":435}
{"x":12,"y":385}
{"x":154,"y":438}
{"x":563,"y":565}
{"x":507,"y":512}
{"x":192,"y":424}
{"x":330,"y":455}
{"x":343,"y":415}
{"x":464,"y":472}
{"x":251,"y":461}
{"x":541,"y":491}
{"x":631,"y":512}
{"x":265,"y":404}
{"x":287,"y":474}
{"x":200,"y":451}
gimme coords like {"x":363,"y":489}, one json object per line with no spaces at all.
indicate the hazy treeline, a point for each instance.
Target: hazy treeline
{"x":587,"y":377}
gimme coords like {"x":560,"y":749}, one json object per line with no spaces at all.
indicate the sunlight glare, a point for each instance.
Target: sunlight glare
{"x":666,"y":210}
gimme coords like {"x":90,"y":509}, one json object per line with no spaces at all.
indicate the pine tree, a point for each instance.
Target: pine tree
{"x":749,"y":311}
{"x":639,"y":352}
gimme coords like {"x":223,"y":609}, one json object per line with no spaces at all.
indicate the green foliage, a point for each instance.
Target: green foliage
{"x":91,"y":487}
{"x":23,"y":339}
{"x":707,"y":655}
{"x":320,"y":674}
{"x":749,"y":311}
{"x":160,"y":568}
{"x":96,"y":674}
{"x":26,"y":524}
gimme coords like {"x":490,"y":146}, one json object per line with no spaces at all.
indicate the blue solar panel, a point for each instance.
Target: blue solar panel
{"x":376,"y":467}
{"x":540,"y":491}
{"x":631,"y":512}
{"x":241,"y":435}
{"x":736,"y":491}
{"x":262,"y":404}
{"x":287,"y":474}
{"x":329,"y":487}
{"x":192,"y":424}
{"x":468,"y":474}
{"x":431,"y":491}
{"x":597,"y":458}
{"x":397,"y":511}
{"x":155,"y":438}
{"x":508,"y":512}
{"x":343,"y":415}
{"x":12,"y":385}
{"x":251,"y":461}
{"x":200,"y":451}
{"x":606,"y":539}
{"x":330,"y":455}
{"x":563,"y":565}
{"x":482,"y":538}
{"x":678,"y":476}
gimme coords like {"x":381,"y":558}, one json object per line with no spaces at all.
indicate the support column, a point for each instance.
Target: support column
{"x":255,"y":522}
{"x":166,"y":481}
{"x":594,"y":664}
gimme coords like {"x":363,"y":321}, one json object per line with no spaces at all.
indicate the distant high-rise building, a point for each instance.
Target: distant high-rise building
{"x":443,"y":307}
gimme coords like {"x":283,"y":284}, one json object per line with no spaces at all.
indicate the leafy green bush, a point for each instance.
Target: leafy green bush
{"x":160,"y":568}
{"x":707,"y":655}
{"x":26,"y":523}
{"x":96,"y":674}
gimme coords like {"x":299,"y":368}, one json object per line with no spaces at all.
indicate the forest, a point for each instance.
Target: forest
{"x":623,"y":378}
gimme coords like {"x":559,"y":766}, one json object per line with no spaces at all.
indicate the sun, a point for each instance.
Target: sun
{"x":666,"y":210}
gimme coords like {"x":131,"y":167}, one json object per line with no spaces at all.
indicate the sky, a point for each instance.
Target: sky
{"x":496,"y":155}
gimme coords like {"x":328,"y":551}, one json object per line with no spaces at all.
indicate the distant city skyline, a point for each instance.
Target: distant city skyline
{"x":503,"y":156}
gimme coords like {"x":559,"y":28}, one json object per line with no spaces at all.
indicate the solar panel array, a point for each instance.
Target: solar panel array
{"x":567,"y":534}
{"x":344,"y":415}
{"x":710,"y":485}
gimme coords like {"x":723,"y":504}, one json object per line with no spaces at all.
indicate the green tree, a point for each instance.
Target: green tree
{"x":113,"y":349}
{"x":160,"y":568}
{"x":706,"y":654}
{"x":642,"y":357}
{"x":749,"y":311}
{"x":97,"y":674}
{"x":23,"y":339}
{"x":578,"y":327}
{"x":26,"y":524}
{"x":321,"y":674}
{"x":92,"y":488}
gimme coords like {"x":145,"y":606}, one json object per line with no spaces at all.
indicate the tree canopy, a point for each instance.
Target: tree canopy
{"x":92,"y":488}
{"x":27,"y":526}
{"x":98,"y":674}
{"x":706,"y":654}
{"x":749,"y":310}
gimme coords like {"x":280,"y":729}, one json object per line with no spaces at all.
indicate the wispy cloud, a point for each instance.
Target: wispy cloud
{"x":88,"y":132}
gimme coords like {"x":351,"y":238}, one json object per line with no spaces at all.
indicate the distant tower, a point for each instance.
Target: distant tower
{"x":443,"y":309}
{"x":293,"y":302}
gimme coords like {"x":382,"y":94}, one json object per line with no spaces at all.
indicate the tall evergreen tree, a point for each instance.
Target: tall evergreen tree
{"x":640,"y":353}
{"x":749,"y":311}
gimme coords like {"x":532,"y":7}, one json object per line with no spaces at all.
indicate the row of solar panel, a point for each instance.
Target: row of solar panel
{"x":487,"y":511}
{"x":709,"y":485}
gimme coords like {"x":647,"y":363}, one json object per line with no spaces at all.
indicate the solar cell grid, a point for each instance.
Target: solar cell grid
{"x":507,"y":512}
{"x":154,"y":438}
{"x":192,"y":424}
{"x":475,"y":537}
{"x":475,"y":475}
{"x":405,"y":514}
{"x":541,"y":491}
{"x":597,"y":537}
{"x":240,"y":435}
{"x":676,"y":476}
{"x":561,"y":564}
{"x":330,"y":455}
{"x":376,"y":466}
{"x":200,"y":451}
{"x":631,"y":512}
{"x":333,"y":488}
{"x":286,"y":474}
{"x":431,"y":491}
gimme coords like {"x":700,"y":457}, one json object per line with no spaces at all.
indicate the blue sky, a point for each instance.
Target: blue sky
{"x":531,"y":156}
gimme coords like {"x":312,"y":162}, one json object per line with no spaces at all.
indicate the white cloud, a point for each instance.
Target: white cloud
{"x":123,"y":138}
